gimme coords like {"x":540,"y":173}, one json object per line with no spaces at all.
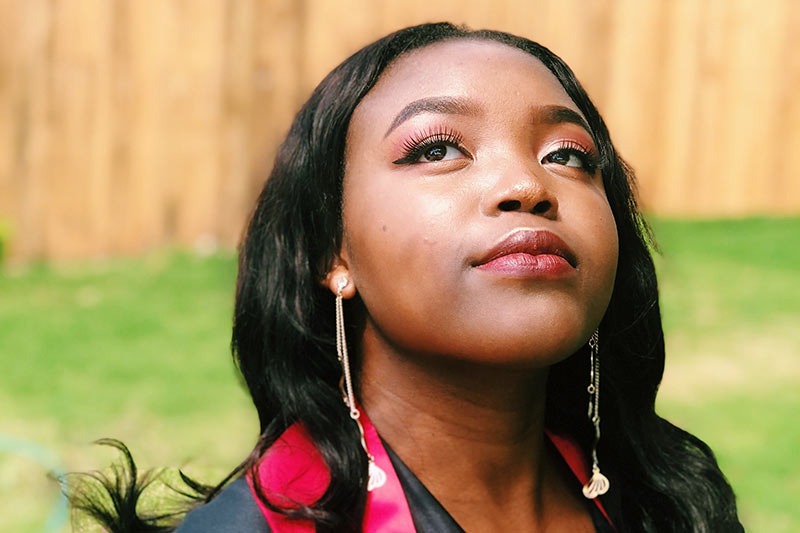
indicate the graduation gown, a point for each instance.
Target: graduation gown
{"x":292,"y":471}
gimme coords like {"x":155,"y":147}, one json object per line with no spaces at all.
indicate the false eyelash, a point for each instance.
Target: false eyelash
{"x":415,"y":146}
{"x":588,"y":156}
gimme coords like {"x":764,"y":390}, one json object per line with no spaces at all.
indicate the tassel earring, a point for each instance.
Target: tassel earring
{"x":376,"y":476}
{"x":598,"y":484}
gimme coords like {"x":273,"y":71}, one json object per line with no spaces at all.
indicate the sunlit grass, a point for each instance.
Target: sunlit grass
{"x":138,"y":350}
{"x":132,"y":349}
{"x":730,"y":296}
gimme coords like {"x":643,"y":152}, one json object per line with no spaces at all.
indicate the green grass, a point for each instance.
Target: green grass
{"x":73,"y":331}
{"x":138,"y":350}
{"x":730,"y":297}
{"x":132,"y":349}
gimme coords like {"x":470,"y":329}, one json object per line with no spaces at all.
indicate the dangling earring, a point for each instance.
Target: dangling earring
{"x":376,"y":476}
{"x":598,"y":484}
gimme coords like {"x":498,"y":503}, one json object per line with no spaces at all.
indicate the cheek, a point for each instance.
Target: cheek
{"x":383,"y":223}
{"x":404,"y":273}
{"x":399,"y":244}
{"x":601,"y":240}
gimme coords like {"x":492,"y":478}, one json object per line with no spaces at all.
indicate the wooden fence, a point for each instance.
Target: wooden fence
{"x":129,"y":125}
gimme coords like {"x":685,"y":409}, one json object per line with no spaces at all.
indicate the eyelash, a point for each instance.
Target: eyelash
{"x":587,"y":156}
{"x":416,"y":145}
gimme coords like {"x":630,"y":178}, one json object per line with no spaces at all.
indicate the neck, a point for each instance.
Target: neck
{"x":470,"y":432}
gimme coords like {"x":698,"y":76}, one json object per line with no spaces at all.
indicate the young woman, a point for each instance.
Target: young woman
{"x":445,"y":293}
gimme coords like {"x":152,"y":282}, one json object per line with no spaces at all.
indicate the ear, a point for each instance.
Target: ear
{"x":339,"y":276}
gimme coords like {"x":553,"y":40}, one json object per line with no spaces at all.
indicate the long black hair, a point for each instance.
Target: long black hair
{"x":663,"y":478}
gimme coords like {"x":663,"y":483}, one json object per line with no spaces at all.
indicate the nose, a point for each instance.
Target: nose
{"x":520,"y":190}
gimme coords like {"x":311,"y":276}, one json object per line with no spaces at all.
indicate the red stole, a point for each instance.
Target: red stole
{"x":293,"y":472}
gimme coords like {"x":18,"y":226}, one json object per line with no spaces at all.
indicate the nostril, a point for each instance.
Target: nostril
{"x":541,"y":207}
{"x":510,"y":205}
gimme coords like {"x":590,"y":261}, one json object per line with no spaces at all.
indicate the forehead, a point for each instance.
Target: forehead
{"x":468,"y":68}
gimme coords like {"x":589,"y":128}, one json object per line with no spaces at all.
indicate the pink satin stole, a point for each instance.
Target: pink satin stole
{"x":576,"y":460}
{"x":293,"y":472}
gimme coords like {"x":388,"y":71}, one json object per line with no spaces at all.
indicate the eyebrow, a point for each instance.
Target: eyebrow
{"x":556,"y":114}
{"x":446,"y":105}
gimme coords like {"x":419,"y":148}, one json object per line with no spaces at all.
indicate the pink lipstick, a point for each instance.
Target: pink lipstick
{"x":529,"y":253}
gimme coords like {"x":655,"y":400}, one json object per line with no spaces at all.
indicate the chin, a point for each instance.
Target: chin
{"x":534,"y":355}
{"x":543,"y":337}
{"x":535,"y":348}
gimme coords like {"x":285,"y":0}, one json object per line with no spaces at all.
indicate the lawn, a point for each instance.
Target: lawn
{"x":138,"y":349}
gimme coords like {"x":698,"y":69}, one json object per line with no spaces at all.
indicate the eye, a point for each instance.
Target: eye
{"x":432,"y":147}
{"x":565,"y":157}
{"x":439,"y":152}
{"x":573,"y":155}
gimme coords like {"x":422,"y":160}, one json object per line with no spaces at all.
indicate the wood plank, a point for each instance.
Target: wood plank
{"x":129,"y":126}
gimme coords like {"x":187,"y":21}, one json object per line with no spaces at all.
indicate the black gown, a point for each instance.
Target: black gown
{"x":235,"y":509}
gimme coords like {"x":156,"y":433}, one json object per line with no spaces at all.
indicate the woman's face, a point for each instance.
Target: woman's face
{"x":475,"y":224}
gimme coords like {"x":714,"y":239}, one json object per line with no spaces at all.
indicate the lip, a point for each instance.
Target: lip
{"x":529,"y":253}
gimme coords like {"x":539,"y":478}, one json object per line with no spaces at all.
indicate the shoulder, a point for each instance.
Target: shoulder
{"x":234,"y":510}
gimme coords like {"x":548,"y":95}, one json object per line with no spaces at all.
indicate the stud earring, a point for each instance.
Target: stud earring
{"x":598,"y":484}
{"x":376,"y":476}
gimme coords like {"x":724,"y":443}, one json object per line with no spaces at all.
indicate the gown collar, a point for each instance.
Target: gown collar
{"x":293,"y":472}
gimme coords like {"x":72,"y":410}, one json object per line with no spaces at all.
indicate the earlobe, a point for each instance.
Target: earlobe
{"x":339,"y":279}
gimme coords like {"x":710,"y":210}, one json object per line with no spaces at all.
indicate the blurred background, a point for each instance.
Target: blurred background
{"x":135,"y":136}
